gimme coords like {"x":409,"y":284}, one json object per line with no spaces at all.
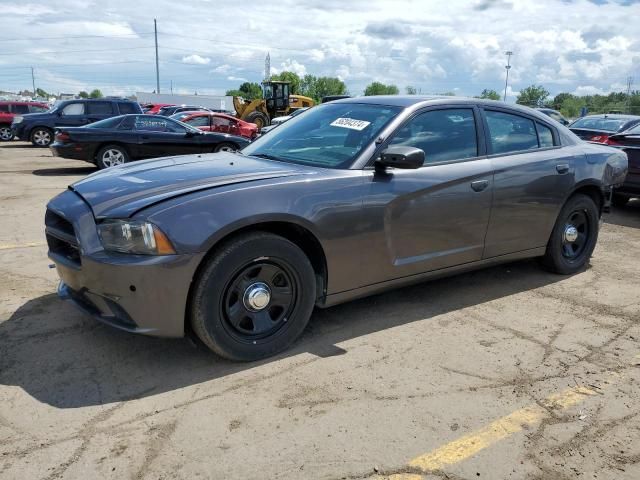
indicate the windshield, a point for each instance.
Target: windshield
{"x":330,"y":135}
{"x":599,"y":123}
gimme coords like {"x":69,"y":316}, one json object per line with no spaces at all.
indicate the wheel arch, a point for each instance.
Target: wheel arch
{"x":292,"y":230}
{"x":592,"y":188}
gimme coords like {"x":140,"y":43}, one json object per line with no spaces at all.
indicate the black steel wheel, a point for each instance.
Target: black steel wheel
{"x":574,"y":236}
{"x":253,"y":297}
{"x":259,"y":300}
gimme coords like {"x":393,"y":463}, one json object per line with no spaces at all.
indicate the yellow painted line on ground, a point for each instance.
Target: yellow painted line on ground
{"x":474,"y":442}
{"x":12,"y":246}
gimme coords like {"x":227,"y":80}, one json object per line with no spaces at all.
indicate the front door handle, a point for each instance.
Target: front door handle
{"x":562,"y":168}
{"x":479,"y":185}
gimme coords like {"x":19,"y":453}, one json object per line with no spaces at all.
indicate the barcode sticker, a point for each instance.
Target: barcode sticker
{"x":351,"y":123}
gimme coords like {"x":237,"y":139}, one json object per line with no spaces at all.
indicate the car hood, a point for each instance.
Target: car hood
{"x":35,"y":116}
{"x":120,"y":192}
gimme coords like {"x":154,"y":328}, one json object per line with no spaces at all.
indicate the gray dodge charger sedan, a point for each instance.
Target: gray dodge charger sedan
{"x":352,"y":198}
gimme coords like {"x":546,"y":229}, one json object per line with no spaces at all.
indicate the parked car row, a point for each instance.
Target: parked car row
{"x":10,"y":109}
{"x":120,"y":139}
{"x":619,"y":131}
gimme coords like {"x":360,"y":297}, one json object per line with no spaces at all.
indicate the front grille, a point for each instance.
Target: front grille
{"x":61,"y":237}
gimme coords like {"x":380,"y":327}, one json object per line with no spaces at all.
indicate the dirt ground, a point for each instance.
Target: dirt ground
{"x":505,"y":373}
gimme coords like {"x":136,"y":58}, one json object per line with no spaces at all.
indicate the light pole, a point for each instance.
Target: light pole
{"x":507,"y":68}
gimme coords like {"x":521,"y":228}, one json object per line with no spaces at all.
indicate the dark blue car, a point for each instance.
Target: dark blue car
{"x":38,"y":128}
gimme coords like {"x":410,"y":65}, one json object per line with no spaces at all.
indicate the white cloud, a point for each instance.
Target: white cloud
{"x":196,"y":60}
{"x":584,"y":46}
{"x":231,"y":78}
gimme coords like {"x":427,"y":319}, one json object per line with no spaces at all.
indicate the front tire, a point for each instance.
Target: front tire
{"x":111,"y":156}
{"x":259,"y":119}
{"x":574,"y":236}
{"x":41,"y":137}
{"x":5,"y":133}
{"x":254,"y":297}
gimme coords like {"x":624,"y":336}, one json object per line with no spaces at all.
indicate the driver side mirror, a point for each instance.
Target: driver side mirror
{"x":399,"y":156}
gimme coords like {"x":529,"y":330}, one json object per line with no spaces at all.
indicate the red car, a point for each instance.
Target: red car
{"x":218,"y":122}
{"x":154,"y":108}
{"x":10,"y":108}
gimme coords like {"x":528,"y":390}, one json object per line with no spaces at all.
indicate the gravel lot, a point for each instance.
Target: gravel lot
{"x":505,"y":373}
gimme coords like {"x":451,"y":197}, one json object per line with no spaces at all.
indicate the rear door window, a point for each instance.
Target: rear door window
{"x":38,"y":109}
{"x":444,"y":135}
{"x":73,"y":109}
{"x":545,"y":136}
{"x":4,"y":107}
{"x":201,"y":121}
{"x":510,"y":133}
{"x":19,"y":108}
{"x":99,"y":108}
{"x":126,"y":108}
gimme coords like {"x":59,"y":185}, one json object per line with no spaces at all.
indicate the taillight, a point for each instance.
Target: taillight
{"x":599,"y":138}
{"x":62,"y":137}
{"x":611,"y":141}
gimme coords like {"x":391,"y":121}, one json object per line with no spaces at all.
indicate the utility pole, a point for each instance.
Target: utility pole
{"x":629,"y":83}
{"x":507,"y":68}
{"x":267,"y":67}
{"x":33,"y":81}
{"x":171,"y":87}
{"x":155,"y":29}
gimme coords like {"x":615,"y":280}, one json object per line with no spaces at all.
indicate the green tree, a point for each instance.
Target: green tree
{"x":95,"y":94}
{"x":41,"y":93}
{"x":489,"y":94}
{"x":251,"y":90}
{"x":328,"y":86}
{"x":533,"y":96}
{"x":377,"y":88}
{"x":410,"y":90}
{"x":290,"y":77}
{"x":235,"y":93}
{"x":83,"y":94}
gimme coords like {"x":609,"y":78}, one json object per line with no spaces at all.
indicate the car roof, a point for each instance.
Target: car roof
{"x":405,"y":101}
{"x":22,"y":102}
{"x":618,"y":116}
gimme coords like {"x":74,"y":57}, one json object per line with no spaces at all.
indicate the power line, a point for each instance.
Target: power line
{"x":79,"y":51}
{"x":126,"y":35}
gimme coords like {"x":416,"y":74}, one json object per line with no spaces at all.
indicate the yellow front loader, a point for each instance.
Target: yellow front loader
{"x":276,"y":102}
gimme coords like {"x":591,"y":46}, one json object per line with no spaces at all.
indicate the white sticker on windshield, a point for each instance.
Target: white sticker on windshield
{"x":351,"y":123}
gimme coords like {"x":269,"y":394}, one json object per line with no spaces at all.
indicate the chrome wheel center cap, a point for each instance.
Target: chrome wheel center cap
{"x":570,"y":234}
{"x":256,"y":296}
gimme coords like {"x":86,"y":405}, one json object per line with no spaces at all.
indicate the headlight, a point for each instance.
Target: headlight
{"x":131,"y":236}
{"x":18,"y":119}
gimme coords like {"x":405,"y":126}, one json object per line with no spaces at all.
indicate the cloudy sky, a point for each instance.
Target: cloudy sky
{"x":209,"y":46}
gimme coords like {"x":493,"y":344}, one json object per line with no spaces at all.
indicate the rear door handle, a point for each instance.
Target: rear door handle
{"x":479,"y":185}
{"x":562,"y":168}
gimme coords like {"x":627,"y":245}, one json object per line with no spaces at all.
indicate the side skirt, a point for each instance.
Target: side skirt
{"x":342,"y":297}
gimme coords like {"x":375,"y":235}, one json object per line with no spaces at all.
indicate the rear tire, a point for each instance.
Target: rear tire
{"x":111,"y":156}
{"x":5,"y":133}
{"x":619,"y":200}
{"x":225,"y":147}
{"x":259,"y":118}
{"x":41,"y":137}
{"x":574,"y":236}
{"x":254,"y":297}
